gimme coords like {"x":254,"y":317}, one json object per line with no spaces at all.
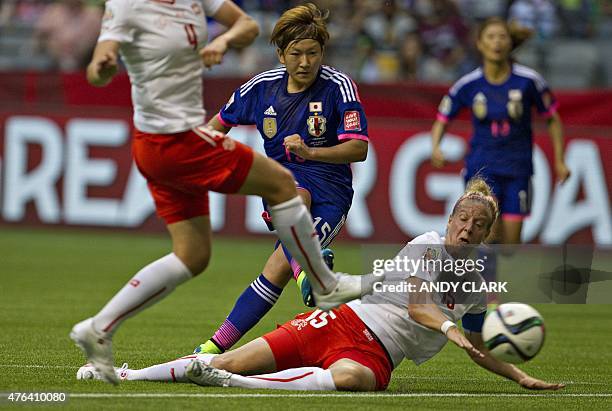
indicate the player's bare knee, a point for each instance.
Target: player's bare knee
{"x":283,"y":186}
{"x":351,"y":380}
{"x":226,"y":362}
{"x":195,"y":261}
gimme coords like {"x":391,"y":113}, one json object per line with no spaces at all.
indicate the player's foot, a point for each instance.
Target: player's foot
{"x":208,"y":376}
{"x":88,"y":372}
{"x":304,"y":284}
{"x":348,"y":287}
{"x":97,"y":347}
{"x":209,"y":347}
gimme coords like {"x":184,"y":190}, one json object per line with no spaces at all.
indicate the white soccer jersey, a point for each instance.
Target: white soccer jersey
{"x":386,"y":313}
{"x":159,"y":41}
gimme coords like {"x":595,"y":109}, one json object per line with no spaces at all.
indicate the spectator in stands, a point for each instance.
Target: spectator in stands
{"x":537,"y":15}
{"x":411,"y":58}
{"x":385,"y":31}
{"x":67,"y":32}
{"x":20,"y":12}
{"x":577,"y":17}
{"x":444,"y":36}
{"x":479,"y":10}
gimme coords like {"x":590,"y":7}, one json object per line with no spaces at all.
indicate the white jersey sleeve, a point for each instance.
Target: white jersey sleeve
{"x":159,"y":45}
{"x":480,"y":306}
{"x":386,"y":313}
{"x":116,"y":21}
{"x":211,"y":7}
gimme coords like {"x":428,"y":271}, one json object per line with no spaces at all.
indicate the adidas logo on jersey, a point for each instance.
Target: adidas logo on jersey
{"x":270,"y":111}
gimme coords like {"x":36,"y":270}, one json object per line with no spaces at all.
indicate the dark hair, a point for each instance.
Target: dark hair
{"x":300,"y":23}
{"x":518,"y":34}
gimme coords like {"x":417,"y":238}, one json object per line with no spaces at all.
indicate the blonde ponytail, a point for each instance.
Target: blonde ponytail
{"x":477,"y":189}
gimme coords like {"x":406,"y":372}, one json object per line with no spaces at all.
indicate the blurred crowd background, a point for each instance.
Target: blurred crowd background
{"x":375,"y":41}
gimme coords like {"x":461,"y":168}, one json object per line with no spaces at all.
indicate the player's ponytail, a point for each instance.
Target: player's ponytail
{"x":477,"y":189}
{"x":518,"y":34}
{"x":300,"y":23}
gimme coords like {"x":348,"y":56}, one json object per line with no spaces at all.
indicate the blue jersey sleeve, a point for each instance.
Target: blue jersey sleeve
{"x":473,"y":322}
{"x":452,"y":103}
{"x":353,"y":123}
{"x":543,"y":98}
{"x":239,"y":110}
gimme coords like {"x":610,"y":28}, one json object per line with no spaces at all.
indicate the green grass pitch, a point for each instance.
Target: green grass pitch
{"x":50,"y":279}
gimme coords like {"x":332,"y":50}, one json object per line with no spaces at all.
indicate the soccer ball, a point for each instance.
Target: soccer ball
{"x":514,"y":332}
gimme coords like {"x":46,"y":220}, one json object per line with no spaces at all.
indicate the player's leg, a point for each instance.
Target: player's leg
{"x":230,"y":369}
{"x":254,"y":302}
{"x":294,"y":357}
{"x":329,"y":219}
{"x":343,"y":375}
{"x":514,"y":208}
{"x":191,"y":252}
{"x":349,"y":375}
{"x":186,"y":216}
{"x":295,"y":229}
{"x":171,"y":371}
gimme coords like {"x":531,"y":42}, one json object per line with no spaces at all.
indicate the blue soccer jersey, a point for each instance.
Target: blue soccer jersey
{"x":326,"y":114}
{"x":502,"y":141}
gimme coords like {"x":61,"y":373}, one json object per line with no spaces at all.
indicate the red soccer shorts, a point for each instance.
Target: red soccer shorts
{"x":181,"y":168}
{"x":319,"y":339}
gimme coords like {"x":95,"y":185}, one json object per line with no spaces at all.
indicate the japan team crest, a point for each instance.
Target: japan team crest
{"x":316,"y":125}
{"x":515,"y":104}
{"x":479,"y":106}
{"x":269,"y":126}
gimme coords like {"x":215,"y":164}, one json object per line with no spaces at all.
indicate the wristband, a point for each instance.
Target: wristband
{"x":446,"y":325}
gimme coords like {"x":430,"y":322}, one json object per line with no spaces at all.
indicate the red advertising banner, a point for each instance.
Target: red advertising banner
{"x":65,"y":160}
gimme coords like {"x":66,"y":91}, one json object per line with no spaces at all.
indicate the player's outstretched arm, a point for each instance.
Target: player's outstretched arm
{"x":103,"y":65}
{"x":242,"y":31}
{"x":504,"y":369}
{"x":437,"y":132}
{"x":215,"y":124}
{"x":555,"y":130}
{"x":424,"y":311}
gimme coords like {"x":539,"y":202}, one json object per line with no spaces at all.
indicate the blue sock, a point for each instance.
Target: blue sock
{"x":250,"y":307}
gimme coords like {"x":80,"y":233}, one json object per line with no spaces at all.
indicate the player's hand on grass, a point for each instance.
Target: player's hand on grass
{"x":214,"y":51}
{"x":294,"y":144}
{"x":461,"y":341}
{"x":437,"y":158}
{"x":534,"y":384}
{"x":562,"y":171}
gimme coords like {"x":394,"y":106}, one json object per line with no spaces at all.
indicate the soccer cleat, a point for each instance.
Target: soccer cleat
{"x":209,"y":347}
{"x":348,"y":287}
{"x":304,"y":284}
{"x":208,"y":376}
{"x":88,"y":372}
{"x":98,"y":349}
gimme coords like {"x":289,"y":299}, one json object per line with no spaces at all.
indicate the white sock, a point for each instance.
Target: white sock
{"x":147,"y":287}
{"x":304,"y":378}
{"x":172,"y":371}
{"x":294,"y":228}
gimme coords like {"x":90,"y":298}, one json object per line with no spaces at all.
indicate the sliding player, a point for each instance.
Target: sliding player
{"x":163,"y":45}
{"x":312,"y":122}
{"x":357,"y":346}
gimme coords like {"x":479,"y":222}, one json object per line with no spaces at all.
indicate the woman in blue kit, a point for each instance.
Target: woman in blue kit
{"x":501,"y":94}
{"x":312,"y":122}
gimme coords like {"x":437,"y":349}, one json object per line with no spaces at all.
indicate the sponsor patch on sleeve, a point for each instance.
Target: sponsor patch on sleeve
{"x":352,"y":121}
